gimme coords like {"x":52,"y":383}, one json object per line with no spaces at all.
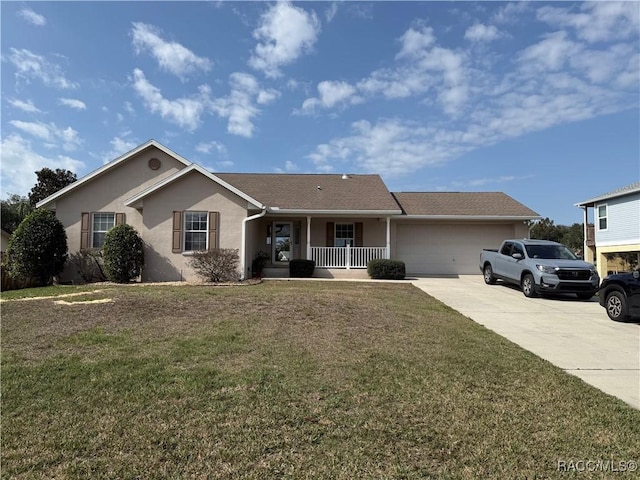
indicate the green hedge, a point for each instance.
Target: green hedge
{"x":386,"y":269}
{"x":300,"y":268}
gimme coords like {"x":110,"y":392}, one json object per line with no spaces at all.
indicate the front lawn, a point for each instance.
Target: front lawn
{"x":298,"y":379}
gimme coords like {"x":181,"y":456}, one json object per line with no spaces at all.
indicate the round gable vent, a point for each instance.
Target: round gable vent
{"x":154,"y":163}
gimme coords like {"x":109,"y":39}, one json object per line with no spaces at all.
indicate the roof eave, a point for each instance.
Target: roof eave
{"x":472,"y":217}
{"x":592,"y":201}
{"x":137,"y":200}
{"x":300,"y":211}
{"x":46,"y":201}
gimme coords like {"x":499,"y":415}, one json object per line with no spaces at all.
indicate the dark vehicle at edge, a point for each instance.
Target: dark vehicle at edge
{"x":620,"y":295}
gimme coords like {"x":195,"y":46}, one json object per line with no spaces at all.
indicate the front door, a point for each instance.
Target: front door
{"x":282,"y":242}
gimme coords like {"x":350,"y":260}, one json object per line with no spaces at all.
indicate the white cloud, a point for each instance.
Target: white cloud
{"x":422,"y":66}
{"x":479,"y":32}
{"x":415,"y":42}
{"x":171,"y":56}
{"x":73,"y":103}
{"x":390,"y":147}
{"x":331,"y":11}
{"x":552,"y":53}
{"x":19,"y":162}
{"x":208,"y":147}
{"x":27,"y":106}
{"x":32,"y":17}
{"x":285,"y":33}
{"x":119,"y":146}
{"x":239,"y":107}
{"x":511,"y":12}
{"x":597,"y":21}
{"x":184,"y":112}
{"x":31,"y":66}
{"x":330,"y":95}
{"x":50,"y":133}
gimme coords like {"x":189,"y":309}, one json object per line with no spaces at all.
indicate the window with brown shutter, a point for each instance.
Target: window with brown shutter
{"x":358,"y":237}
{"x":84,"y":230}
{"x":330,"y":233}
{"x":177,"y":232}
{"x":213,"y":230}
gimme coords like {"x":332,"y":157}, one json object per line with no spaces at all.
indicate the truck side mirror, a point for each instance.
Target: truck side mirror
{"x":517,"y":256}
{"x":636,"y":274}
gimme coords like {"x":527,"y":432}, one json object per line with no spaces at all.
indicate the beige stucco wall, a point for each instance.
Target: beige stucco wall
{"x":191,"y":192}
{"x":108,"y":192}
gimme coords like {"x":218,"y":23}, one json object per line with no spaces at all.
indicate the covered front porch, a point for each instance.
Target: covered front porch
{"x":333,"y":243}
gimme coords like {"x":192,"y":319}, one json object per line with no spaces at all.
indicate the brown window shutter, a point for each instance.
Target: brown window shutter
{"x":176,"y":246}
{"x":213,"y":230}
{"x":119,"y":218}
{"x":358,"y":234}
{"x":330,"y":233}
{"x":85,"y":224}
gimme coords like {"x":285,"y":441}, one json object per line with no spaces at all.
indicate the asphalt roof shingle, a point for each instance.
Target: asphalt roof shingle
{"x":315,"y":191}
{"x":462,"y":204}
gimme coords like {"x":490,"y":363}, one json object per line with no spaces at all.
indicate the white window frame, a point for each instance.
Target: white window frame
{"x":352,"y":238}
{"x":103,"y":232}
{"x":604,"y":217}
{"x":186,"y":231}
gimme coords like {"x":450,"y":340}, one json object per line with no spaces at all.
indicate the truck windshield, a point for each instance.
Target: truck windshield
{"x":550,"y":251}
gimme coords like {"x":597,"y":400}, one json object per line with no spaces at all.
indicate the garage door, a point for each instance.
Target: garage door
{"x":446,"y":249}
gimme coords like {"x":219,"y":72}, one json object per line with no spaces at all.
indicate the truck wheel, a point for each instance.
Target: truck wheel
{"x":616,"y":305}
{"x":529,"y":286}
{"x":489,"y":279}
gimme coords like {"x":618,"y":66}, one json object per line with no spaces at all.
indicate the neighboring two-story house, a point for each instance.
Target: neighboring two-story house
{"x":615,"y":227}
{"x":339,"y":221}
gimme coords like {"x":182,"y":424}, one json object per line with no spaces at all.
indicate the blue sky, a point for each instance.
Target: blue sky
{"x":538,"y":100}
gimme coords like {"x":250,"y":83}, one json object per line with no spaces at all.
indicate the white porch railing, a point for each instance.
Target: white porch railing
{"x":346,"y":257}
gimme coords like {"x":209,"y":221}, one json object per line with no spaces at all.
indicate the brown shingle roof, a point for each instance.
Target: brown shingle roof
{"x":301,"y":192}
{"x":463,"y":204}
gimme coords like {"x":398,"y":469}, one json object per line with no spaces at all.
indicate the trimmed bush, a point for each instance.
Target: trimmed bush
{"x":301,"y":268}
{"x":38,"y":248}
{"x":218,"y":265}
{"x":383,"y":268}
{"x":123,"y":254}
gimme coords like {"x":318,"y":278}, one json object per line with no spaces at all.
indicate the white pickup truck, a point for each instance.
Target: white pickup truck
{"x":539,"y":266}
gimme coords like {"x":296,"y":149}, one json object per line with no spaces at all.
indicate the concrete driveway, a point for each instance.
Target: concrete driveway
{"x":574,"y":335}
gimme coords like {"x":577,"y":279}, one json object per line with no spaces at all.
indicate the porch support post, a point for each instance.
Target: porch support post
{"x":309,"y":238}
{"x":388,"y":254}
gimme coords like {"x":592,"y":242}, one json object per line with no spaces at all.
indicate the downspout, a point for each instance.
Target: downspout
{"x":243,"y":242}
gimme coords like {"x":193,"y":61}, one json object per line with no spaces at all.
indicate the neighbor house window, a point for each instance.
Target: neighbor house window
{"x":344,"y":234}
{"x":102,"y":223}
{"x":196,"y":228}
{"x":602,"y":217}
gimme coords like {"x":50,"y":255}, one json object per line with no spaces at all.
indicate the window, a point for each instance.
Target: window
{"x":344,"y":235}
{"x":102,"y":223}
{"x":602,"y":217}
{"x":196,"y":228}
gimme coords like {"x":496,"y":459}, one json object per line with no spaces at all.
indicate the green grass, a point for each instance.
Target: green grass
{"x":288,"y":380}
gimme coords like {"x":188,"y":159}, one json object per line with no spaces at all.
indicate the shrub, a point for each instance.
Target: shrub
{"x":300,"y":268}
{"x":38,"y":247}
{"x":218,"y":265}
{"x":383,"y":268}
{"x":89,"y":264}
{"x":123,"y":253}
{"x":258,"y":264}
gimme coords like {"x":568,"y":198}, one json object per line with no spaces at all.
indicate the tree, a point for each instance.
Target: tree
{"x":13,"y":211}
{"x":123,"y":253}
{"x":49,"y":182}
{"x":545,"y":230}
{"x":38,"y":247}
